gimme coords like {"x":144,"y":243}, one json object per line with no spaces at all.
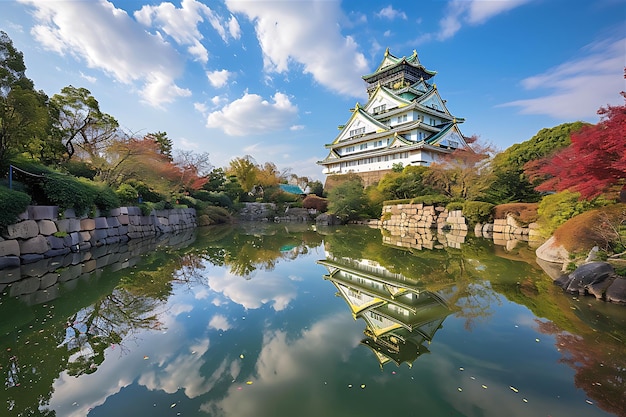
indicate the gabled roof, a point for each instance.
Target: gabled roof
{"x":390,"y":60}
{"x":359,"y":113}
{"x":385,"y":92}
{"x":449,"y":132}
{"x":433,"y":95}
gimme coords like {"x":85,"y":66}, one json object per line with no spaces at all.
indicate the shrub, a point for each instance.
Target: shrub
{"x":312,"y":201}
{"x":106,"y":199}
{"x":556,"y":209}
{"x":432,"y":199}
{"x":454,"y":205}
{"x":12,"y":204}
{"x":524,"y":213}
{"x":127,"y":194}
{"x":68,"y":192}
{"x":214,"y":215}
{"x":478,"y":212}
{"x":218,"y":199}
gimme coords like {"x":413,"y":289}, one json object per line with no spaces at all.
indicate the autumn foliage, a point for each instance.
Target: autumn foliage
{"x":594,"y":163}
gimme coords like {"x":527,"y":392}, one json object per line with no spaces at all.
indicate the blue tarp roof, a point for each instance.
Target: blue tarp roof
{"x":293,"y":189}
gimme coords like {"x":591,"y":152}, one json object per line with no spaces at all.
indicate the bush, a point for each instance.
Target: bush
{"x":12,"y":204}
{"x":431,"y":200}
{"x":106,"y":199}
{"x":604,"y":227}
{"x":214,"y":215}
{"x":454,"y":205}
{"x":68,"y":192}
{"x":127,"y":194}
{"x":556,"y":209}
{"x":312,"y":201}
{"x":524,"y":213}
{"x":478,"y":212}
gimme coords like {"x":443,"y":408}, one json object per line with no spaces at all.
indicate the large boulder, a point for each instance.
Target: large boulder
{"x":616,"y":292}
{"x":592,"y":274}
{"x":328,"y":220}
{"x":551,"y":251}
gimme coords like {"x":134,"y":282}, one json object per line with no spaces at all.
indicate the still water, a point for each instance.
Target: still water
{"x":285,"y":320}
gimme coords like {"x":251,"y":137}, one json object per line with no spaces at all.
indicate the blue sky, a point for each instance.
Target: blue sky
{"x":274,"y":79}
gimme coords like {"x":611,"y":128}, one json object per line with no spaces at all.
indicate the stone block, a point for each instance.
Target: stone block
{"x":113,"y":222}
{"x":68,"y":225}
{"x":134,"y":211}
{"x":69,"y":214}
{"x":70,"y":273}
{"x":43,"y":212}
{"x":24,"y":286}
{"x":87,"y":224}
{"x":22,"y":230}
{"x":45,"y":295}
{"x":101,"y":223}
{"x":8,"y":263}
{"x":37,"y":244}
{"x":88,"y":266}
{"x":48,"y":280}
{"x":56,"y":242}
{"x":85,"y":236}
{"x":56,"y":252}
{"x":9,"y":247}
{"x":123,"y":219}
{"x":46,"y":227}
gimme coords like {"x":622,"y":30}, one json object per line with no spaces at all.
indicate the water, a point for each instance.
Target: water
{"x":283,"y":320}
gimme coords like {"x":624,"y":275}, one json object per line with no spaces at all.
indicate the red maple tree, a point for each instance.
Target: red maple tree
{"x":594,"y":163}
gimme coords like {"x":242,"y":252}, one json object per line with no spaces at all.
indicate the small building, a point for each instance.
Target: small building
{"x":405,"y":121}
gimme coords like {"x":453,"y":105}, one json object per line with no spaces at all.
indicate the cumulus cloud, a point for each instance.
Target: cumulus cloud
{"x":577,"y":93}
{"x":251,"y":114}
{"x":306,"y":34}
{"x":472,"y":12}
{"x":219,"y":78}
{"x":390,"y":13}
{"x":106,"y":38}
{"x":182,"y":24}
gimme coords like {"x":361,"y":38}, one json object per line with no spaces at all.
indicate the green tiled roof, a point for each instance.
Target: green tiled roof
{"x":293,"y":189}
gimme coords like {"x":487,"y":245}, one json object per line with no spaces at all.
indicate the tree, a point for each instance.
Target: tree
{"x":165,"y":143}
{"x":194,"y":167}
{"x":405,"y":184}
{"x":24,"y":114}
{"x":245,"y":170}
{"x":594,"y":163}
{"x":458,"y":174}
{"x":347,"y":199}
{"x":82,"y":124}
{"x":507,"y":181}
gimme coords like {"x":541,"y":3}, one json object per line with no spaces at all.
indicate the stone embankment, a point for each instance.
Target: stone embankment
{"x":426,"y":227}
{"x":41,"y":234}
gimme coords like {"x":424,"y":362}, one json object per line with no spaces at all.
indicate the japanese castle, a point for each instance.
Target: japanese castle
{"x":405,"y":121}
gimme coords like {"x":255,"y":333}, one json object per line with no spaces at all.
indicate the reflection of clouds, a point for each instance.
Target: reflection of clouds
{"x":266,"y":287}
{"x":285,"y":364}
{"x":219,"y":322}
{"x":164,"y":368}
{"x":202,"y":294}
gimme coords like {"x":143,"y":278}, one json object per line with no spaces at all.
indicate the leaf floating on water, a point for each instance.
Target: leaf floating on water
{"x":362,"y":386}
{"x":589,"y":402}
{"x":146,"y":358}
{"x":349,"y":385}
{"x":525,"y":400}
{"x":241,"y":356}
{"x":461,"y":369}
{"x":460,"y":389}
{"x":249,"y":382}
{"x":514,"y":389}
{"x":173,"y":405}
{"x":484,"y":386}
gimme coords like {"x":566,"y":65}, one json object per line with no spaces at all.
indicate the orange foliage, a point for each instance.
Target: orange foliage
{"x":524,"y":212}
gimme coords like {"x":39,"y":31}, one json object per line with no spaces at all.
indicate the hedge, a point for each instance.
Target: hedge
{"x":12,"y":204}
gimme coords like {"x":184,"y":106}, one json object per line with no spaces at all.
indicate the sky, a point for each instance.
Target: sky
{"x":275,"y":79}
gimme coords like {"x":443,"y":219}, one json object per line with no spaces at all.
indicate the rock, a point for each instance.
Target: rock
{"x":328,"y":220}
{"x":551,"y":251}
{"x":616,"y":292}
{"x":586,"y":275}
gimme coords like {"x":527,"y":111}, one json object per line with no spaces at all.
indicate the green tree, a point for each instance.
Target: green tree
{"x":82,"y":124}
{"x":406,"y":184}
{"x":507,"y":181}
{"x":164,"y":143}
{"x":24,"y":113}
{"x":245,"y":170}
{"x":347,"y":200}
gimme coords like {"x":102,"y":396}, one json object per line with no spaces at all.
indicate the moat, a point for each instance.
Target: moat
{"x":288,"y":319}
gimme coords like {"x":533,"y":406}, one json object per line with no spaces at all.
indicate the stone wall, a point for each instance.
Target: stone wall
{"x":427,"y":227}
{"x":41,"y":234}
{"x":44,"y":280}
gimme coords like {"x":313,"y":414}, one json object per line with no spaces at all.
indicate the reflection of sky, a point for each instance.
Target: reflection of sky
{"x":266,"y":287}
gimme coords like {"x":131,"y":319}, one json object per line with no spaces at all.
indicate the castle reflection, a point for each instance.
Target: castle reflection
{"x":400,"y":314}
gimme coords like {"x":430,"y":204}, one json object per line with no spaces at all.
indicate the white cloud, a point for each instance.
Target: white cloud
{"x":89,"y":78}
{"x":106,"y":38}
{"x":219,"y":78}
{"x":390,"y":13}
{"x":306,"y":33}
{"x":296,"y":128}
{"x":578,"y":93}
{"x":233,"y":28}
{"x":251,"y":114}
{"x":472,"y":12}
{"x":182,"y":24}
{"x":219,"y":322}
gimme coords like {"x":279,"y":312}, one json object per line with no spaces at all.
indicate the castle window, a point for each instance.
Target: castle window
{"x":358,"y":131}
{"x":380,"y":109}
